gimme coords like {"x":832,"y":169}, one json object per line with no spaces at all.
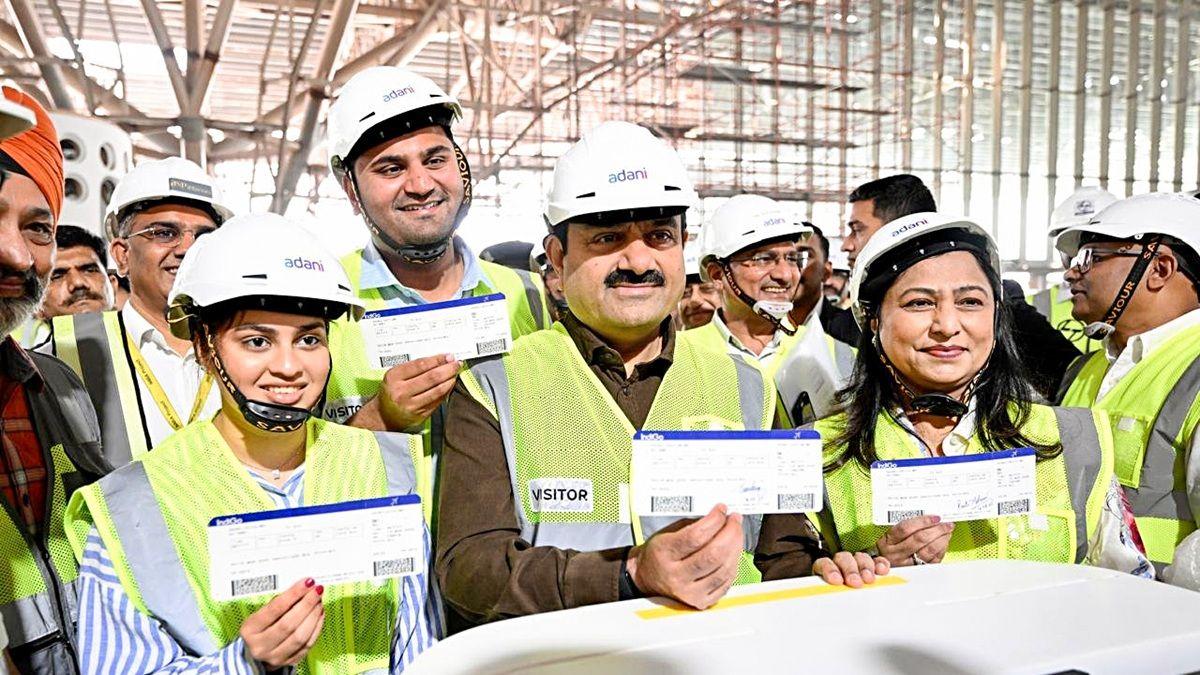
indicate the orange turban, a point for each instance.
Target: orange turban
{"x":37,"y":151}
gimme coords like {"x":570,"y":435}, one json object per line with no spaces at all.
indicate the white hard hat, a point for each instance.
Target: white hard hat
{"x":747,"y":220}
{"x":14,"y":118}
{"x":691,"y":251}
{"x":1173,"y":215}
{"x":378,"y":95}
{"x":259,"y":255}
{"x":902,"y":231}
{"x":1079,"y":208}
{"x":618,"y":167}
{"x":837,"y":257}
{"x":164,"y":179}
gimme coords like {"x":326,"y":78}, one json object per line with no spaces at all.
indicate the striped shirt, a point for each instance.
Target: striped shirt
{"x":115,"y":637}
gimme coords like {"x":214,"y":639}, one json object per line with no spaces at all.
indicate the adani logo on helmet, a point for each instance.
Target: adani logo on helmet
{"x":623,"y":175}
{"x":300,"y":263}
{"x":397,"y":93}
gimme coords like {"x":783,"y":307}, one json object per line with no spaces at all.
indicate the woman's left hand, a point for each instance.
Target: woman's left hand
{"x":852,"y":569}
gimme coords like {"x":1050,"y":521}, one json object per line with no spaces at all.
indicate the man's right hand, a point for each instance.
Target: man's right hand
{"x":283,"y":630}
{"x":411,"y":391}
{"x":694,"y":563}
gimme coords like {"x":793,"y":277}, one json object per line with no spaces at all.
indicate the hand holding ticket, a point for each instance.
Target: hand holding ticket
{"x":686,"y":473}
{"x":267,"y":551}
{"x":965,"y":487}
{"x":467,"y":328}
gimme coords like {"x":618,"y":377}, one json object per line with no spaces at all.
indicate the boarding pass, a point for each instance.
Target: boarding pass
{"x":268,"y":551}
{"x":964,"y":487}
{"x":686,"y":473}
{"x":468,"y":328}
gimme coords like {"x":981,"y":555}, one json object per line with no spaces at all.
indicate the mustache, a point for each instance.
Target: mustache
{"x":81,"y":294}
{"x":620,"y":276}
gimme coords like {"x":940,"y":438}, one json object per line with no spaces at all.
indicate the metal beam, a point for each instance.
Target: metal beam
{"x":34,"y":40}
{"x":1052,"y":110}
{"x":158,"y":27}
{"x":1132,"y":77}
{"x":1081,"y":65}
{"x":1106,"y":75}
{"x":212,"y":53}
{"x":1156,"y":87}
{"x":998,"y":49}
{"x":877,"y":84}
{"x":318,"y":91}
{"x":966,"y":130}
{"x":1183,"y":78}
{"x":906,"y":95}
{"x":939,"y":73}
{"x":193,"y":31}
{"x":1024,"y":123}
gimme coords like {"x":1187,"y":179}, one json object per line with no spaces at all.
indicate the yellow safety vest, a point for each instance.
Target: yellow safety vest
{"x":153,"y":515}
{"x":354,"y":381}
{"x":1153,"y":410}
{"x":1071,"y":489}
{"x":567,"y":430}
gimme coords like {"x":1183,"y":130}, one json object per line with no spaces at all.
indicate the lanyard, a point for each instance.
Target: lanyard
{"x":159,"y":395}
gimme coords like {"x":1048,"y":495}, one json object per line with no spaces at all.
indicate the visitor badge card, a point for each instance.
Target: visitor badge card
{"x":686,"y":473}
{"x":468,"y":328}
{"x":268,"y":551}
{"x":965,"y":487}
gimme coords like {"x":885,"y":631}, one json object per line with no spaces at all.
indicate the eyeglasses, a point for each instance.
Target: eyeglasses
{"x":767,"y":261}
{"x":1087,"y":257}
{"x":166,"y":235}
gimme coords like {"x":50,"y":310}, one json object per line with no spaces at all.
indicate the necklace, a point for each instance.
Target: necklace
{"x":277,"y":471}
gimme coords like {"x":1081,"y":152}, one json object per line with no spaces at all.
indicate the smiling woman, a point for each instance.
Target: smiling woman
{"x":937,"y":375}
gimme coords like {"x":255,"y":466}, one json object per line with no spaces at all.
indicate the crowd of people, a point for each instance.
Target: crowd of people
{"x":219,"y":367}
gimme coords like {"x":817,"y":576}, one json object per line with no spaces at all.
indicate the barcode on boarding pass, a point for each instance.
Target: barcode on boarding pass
{"x":391,"y":568}
{"x":897,"y":516}
{"x":670,"y":504}
{"x":1012,"y":507}
{"x":797,"y":502}
{"x":254,"y":585}
{"x":389,"y":361}
{"x":490,"y":346}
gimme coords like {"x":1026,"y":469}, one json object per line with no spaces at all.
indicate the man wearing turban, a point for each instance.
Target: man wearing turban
{"x":48,"y":430}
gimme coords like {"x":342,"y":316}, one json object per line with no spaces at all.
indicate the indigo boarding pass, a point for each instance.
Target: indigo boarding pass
{"x":468,"y":328}
{"x":686,"y":473}
{"x":964,"y":487}
{"x":268,"y":551}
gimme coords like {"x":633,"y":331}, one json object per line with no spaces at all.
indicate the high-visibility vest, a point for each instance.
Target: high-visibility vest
{"x":1153,"y":410}
{"x":1054,"y":303}
{"x":565,"y":430}
{"x":797,"y":411}
{"x":94,"y":346}
{"x":354,"y":381}
{"x":37,"y":589}
{"x":1071,"y":489}
{"x":153,"y":515}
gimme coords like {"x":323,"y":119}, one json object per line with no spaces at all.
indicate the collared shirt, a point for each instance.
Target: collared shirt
{"x":735,"y":346}
{"x":23,"y":473}
{"x":1113,"y":544}
{"x":180,"y":376}
{"x":488,"y":572}
{"x":378,"y":276}
{"x":115,"y":637}
{"x":1139,"y":347}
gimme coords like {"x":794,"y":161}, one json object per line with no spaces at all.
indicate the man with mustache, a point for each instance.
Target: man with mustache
{"x":392,"y":149}
{"x":78,"y":280}
{"x":1134,"y":275}
{"x":534,"y":513}
{"x":145,"y":383}
{"x":750,"y":247}
{"x":51,"y":445}
{"x":701,"y":297}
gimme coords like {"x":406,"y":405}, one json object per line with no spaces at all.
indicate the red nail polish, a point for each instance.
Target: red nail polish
{"x":308,"y":583}
{"x":320,"y":590}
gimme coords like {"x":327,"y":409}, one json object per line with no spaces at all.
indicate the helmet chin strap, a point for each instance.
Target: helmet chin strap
{"x":771,"y":310}
{"x":263,"y":415}
{"x":1098,"y":330}
{"x":420,"y":254}
{"x":941,"y":405}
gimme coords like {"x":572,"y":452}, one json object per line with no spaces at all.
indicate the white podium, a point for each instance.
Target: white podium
{"x":976,"y":617}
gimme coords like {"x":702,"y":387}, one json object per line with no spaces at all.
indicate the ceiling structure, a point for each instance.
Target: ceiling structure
{"x":797,"y":99}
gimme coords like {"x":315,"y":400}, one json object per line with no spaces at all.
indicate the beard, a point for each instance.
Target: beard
{"x":14,"y":312}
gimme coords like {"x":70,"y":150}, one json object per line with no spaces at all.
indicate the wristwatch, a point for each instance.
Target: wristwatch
{"x":626,"y":589}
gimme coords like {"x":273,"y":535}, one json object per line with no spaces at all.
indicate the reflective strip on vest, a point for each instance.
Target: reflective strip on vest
{"x":534,"y":296}
{"x":93,"y":344}
{"x":398,"y":457}
{"x":1073,"y":371}
{"x":491,"y":379}
{"x":152,"y":559}
{"x":1083,"y":457}
{"x":1042,"y":302}
{"x":34,"y":617}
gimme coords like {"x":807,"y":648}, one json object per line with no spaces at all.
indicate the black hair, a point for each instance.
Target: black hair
{"x":895,"y":196}
{"x":72,"y":236}
{"x":822,"y":240}
{"x":1002,"y":393}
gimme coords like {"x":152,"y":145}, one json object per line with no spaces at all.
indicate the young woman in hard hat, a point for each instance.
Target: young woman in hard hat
{"x":937,"y":375}
{"x":255,"y":298}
